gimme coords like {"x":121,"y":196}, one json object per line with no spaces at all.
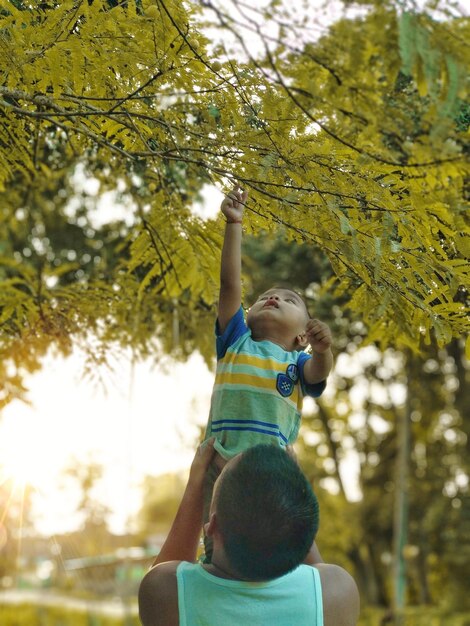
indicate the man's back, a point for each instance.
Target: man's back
{"x":187,"y":594}
{"x":205,"y":599}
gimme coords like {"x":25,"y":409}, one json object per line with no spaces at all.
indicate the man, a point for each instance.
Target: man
{"x":265,"y":569}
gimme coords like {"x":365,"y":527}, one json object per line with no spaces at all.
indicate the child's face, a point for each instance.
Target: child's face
{"x":279,"y":308}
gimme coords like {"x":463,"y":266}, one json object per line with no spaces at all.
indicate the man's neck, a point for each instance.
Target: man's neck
{"x":220,"y":571}
{"x":221,"y":568}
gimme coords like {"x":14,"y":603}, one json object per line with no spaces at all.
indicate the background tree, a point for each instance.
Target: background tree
{"x":94,"y":535}
{"x":161,"y":496}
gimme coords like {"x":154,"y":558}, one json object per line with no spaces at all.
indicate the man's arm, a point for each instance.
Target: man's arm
{"x":339,"y":591}
{"x":183,"y":539}
{"x":230,"y":268}
{"x":319,"y":366}
{"x":158,"y":597}
{"x":341,"y":601}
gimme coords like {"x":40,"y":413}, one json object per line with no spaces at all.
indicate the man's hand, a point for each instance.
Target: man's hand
{"x":234,"y":204}
{"x":318,"y":336}
{"x":204,"y":455}
{"x":183,"y":539}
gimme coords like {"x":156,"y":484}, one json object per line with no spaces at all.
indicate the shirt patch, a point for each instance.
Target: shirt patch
{"x":293,"y":372}
{"x":284,"y":385}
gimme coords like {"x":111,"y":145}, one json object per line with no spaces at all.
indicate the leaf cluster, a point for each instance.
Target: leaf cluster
{"x":352,"y":142}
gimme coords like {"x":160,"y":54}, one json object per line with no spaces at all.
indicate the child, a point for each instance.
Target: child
{"x":262,"y":371}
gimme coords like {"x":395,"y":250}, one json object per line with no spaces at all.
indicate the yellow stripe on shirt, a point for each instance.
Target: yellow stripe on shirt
{"x":255,"y":383}
{"x":268,"y":363}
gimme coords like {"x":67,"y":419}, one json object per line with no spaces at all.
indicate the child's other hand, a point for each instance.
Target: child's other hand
{"x":319,"y":336}
{"x":234,"y":204}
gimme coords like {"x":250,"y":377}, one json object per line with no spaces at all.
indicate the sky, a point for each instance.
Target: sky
{"x":146,"y":421}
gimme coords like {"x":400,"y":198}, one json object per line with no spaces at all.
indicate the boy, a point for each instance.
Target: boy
{"x":262,"y":371}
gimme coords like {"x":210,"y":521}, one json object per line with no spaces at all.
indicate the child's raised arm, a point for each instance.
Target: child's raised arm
{"x":230,"y":268}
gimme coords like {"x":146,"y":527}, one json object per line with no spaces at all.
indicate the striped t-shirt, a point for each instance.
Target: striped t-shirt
{"x":258,"y":391}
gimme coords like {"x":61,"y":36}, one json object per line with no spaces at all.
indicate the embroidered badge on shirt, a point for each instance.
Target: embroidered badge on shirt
{"x":293,"y":372}
{"x":285,"y":382}
{"x":284,"y":385}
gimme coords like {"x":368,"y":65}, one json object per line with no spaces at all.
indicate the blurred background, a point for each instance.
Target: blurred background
{"x":93,"y":469}
{"x":120,"y":125}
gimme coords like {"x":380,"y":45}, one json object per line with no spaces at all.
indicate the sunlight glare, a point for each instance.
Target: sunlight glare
{"x":23,"y":457}
{"x":131,"y":431}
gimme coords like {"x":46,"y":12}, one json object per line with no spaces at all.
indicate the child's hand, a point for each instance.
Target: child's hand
{"x":318,"y":336}
{"x":234,"y":204}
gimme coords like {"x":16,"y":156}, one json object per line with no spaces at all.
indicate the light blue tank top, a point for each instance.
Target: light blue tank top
{"x":291,"y":600}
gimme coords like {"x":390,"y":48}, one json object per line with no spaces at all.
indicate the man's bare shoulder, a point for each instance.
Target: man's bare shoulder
{"x":158,"y":596}
{"x":340,"y":596}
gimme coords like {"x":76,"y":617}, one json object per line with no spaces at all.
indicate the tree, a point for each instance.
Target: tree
{"x":353,"y":141}
{"x":160,"y":500}
{"x":94,"y":533}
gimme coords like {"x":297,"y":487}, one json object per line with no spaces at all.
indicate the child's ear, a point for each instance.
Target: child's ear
{"x":301,"y":340}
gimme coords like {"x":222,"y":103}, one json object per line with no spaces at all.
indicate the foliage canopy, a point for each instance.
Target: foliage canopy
{"x":352,"y":139}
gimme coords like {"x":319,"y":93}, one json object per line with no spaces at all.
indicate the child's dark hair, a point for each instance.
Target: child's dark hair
{"x":267,"y":513}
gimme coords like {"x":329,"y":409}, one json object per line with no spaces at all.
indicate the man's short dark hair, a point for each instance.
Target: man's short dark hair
{"x":267,"y":513}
